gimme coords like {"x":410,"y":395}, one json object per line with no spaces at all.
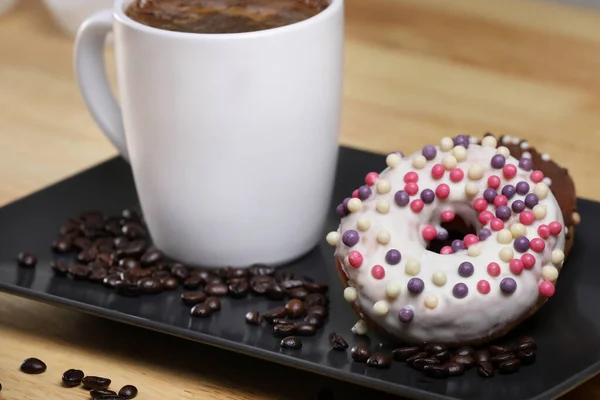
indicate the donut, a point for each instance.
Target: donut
{"x":456,"y":243}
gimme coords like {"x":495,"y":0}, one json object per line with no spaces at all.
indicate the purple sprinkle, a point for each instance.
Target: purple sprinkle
{"x":427,"y":196}
{"x":484,"y":234}
{"x":503,"y":212}
{"x":364,"y":192}
{"x":526,"y":164}
{"x":345,"y":203}
{"x":401,"y":198}
{"x":531,"y":200}
{"x":518,"y":206}
{"x":508,"y":285}
{"x":460,"y":290}
{"x":415,"y":285}
{"x":393,"y":257}
{"x":401,"y":154}
{"x":457,"y":245}
{"x":498,"y":161}
{"x":509,"y":191}
{"x":462,"y":140}
{"x":350,"y":237}
{"x":442,"y":234}
{"x":521,"y":244}
{"x":466,"y":269}
{"x":429,"y":152}
{"x":406,"y":315}
{"x":341,"y":210}
{"x":522,"y":187}
{"x":490,"y":194}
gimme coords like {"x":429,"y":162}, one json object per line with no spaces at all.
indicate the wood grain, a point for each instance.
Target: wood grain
{"x":415,"y":71}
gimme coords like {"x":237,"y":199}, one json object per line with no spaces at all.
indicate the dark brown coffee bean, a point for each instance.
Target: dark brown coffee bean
{"x":180,"y":272}
{"x":72,"y":226}
{"x":128,"y":392}
{"x":129,"y":263}
{"x":111,"y":280}
{"x":284,"y":330}
{"x":275,"y":292}
{"x":213,"y":303}
{"x":92,"y":218}
{"x":132,"y":249}
{"x":151,"y":257}
{"x":233,"y":273}
{"x":253,"y":318}
{"x":261,"y":270}
{"x":404,"y":353}
{"x":319,"y":310}
{"x":62,"y":245}
{"x":436,"y":371}
{"x":110,"y":397}
{"x":277,"y":312}
{"x":316,"y":299}
{"x":104,"y":244}
{"x":88,"y":254}
{"x":95,"y":382}
{"x":221,"y":273}
{"x":527,"y":357}
{"x":120,"y":242}
{"x":133,"y":230}
{"x":170,"y":283}
{"x":482,"y":355}
{"x":60,"y":268}
{"x":282,"y":275}
{"x":434,"y":348}
{"x":420,"y":363}
{"x":421,"y":354}
{"x":291,"y":342}
{"x":72,"y":377}
{"x":33,"y":366}
{"x":106,"y":259}
{"x":454,"y":369}
{"x":161,"y":273}
{"x":82,"y":243}
{"x":495,"y":350}
{"x":97,"y":275}
{"x":380,"y":361}
{"x":305,"y":329}
{"x":193,"y":298}
{"x":102,"y":394}
{"x":315,"y":287}
{"x":337,"y":342}
{"x":113,"y":227}
{"x":360,"y":353}
{"x":131,"y":215}
{"x":528,"y":342}
{"x":214,"y":280}
{"x":510,"y":366}
{"x":192,"y":282}
{"x":295,"y":308}
{"x":203,"y":275}
{"x":466,"y":361}
{"x":216,"y":289}
{"x":150,"y":285}
{"x":500,"y":358}
{"x":262,"y":279}
{"x":298,"y":293}
{"x":315,"y":319}
{"x":464,"y":351}
{"x":201,"y":310}
{"x":443,"y":356}
{"x":26,"y":260}
{"x":78,"y":271}
{"x":129,"y":289}
{"x":294,"y":283}
{"x":283,"y":321}
{"x":239,"y":289}
{"x":135,"y":274}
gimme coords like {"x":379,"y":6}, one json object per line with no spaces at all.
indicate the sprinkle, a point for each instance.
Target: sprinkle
{"x":493,"y":269}
{"x":350,"y":237}
{"x":524,"y":145}
{"x":341,"y":210}
{"x":557,"y":256}
{"x":466,"y":269}
{"x":377,"y":271}
{"x":536,"y":176}
{"x":504,"y":236}
{"x":355,"y":194}
{"x":350,"y":294}
{"x":428,"y":196}
{"x":457,"y":245}
{"x":484,"y":234}
{"x":437,"y":171}
{"x":461,"y":140}
{"x":509,"y":171}
{"x":526,"y":218}
{"x":543,"y":231}
{"x":576,"y":218}
{"x":392,"y":290}
{"x":506,"y":254}
{"x":383,"y":206}
{"x":521,"y":244}
{"x":547,"y":181}
{"x":503,"y":212}
{"x":383,"y":186}
{"x":549,"y":273}
{"x":470,"y":240}
{"x":493,"y":182}
{"x":480,"y":204}
{"x":541,"y":190}
{"x":516,"y":266}
{"x":471,"y":189}
{"x":417,"y":205}
{"x":363,"y":224}
{"x":442,"y":191}
{"x":355,"y":205}
{"x":402,"y":198}
{"x":442,"y":234}
{"x":498,"y":161}
{"x":522,"y":187}
{"x":526,"y":154}
{"x":509,"y":191}
{"x":360,"y":328}
{"x":504,"y":151}
{"x":457,"y":174}
{"x":547,"y":289}
{"x":500,"y":200}
{"x":485,"y":217}
{"x":546,"y":157}
{"x":539,"y":212}
{"x":415,"y":285}
{"x":489,"y":141}
{"x":483,"y":286}
{"x":411,"y":188}
{"x":518,"y":206}
{"x":431,"y":301}
{"x":355,"y":259}
{"x":473,"y":139}
{"x":393,"y":160}
{"x":364,"y":192}
{"x":528,"y":260}
{"x":429,"y":232}
{"x":460,"y":153}
{"x":446,"y":144}
{"x":555,"y":227}
{"x":439,"y":278}
{"x":383,"y":237}
{"x":446,"y":250}
{"x":413,"y":267}
{"x":381,"y":308}
{"x":518,"y":230}
{"x":497,"y":224}
{"x":449,"y":162}
{"x":475,"y":172}
{"x":371,"y":178}
{"x":429,"y":152}
{"x":448,"y":216}
{"x":490,"y":194}
{"x":333,"y":238}
{"x":525,"y":163}
{"x":406,"y":315}
{"x":506,"y":139}
{"x":515,"y":141}
{"x":411,"y":176}
{"x":393,"y":256}
{"x":508,"y":285}
{"x":460,"y":290}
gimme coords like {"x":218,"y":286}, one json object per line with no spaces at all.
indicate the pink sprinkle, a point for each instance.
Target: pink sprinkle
{"x":483,"y":286}
{"x":544,"y":231}
{"x":378,"y":272}
{"x":355,"y":193}
{"x":494,"y":182}
{"x":509,"y":171}
{"x":429,"y":232}
{"x":470,"y":240}
{"x":480,"y":204}
{"x":485,"y":217}
{"x":493,"y":269}
{"x":411,"y":188}
{"x":417,"y":205}
{"x":536,"y":176}
{"x":411,"y":176}
{"x":516,"y":266}
{"x":448,"y":216}
{"x":538,"y":245}
{"x":547,"y":289}
{"x":456,"y":175}
{"x":497,"y":224}
{"x":437,"y":171}
{"x":526,"y":218}
{"x":446,"y":250}
{"x":355,"y":259}
{"x":500,"y":200}
{"x":442,"y":191}
{"x":371,"y":178}
{"x":555,"y":227}
{"x":528,"y":260}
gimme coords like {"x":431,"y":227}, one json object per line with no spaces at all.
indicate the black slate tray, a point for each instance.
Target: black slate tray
{"x":567,"y":328}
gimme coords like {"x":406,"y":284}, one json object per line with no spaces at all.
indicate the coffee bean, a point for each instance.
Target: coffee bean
{"x":193,"y":298}
{"x":421,"y":354}
{"x":404,"y":353}
{"x":27,"y":260}
{"x":128,"y":392}
{"x":95,"y":382}
{"x":221,"y":273}
{"x":60,"y":268}
{"x":495,"y":350}
{"x":120,"y":242}
{"x":454,"y":369}
{"x":71,"y":226}
{"x":434,"y":348}
{"x":239,"y":289}
{"x":214,"y":280}
{"x":443,"y":356}
{"x":160,"y":273}
{"x":360,"y":353}
{"x":150,"y":285}
{"x":527,"y":357}
{"x":291,"y":342}
{"x":78,"y":271}
{"x":102,"y":393}
{"x":305,"y":329}
{"x":282,"y":275}
{"x":422,"y":362}
{"x":277,"y":312}
{"x":192,"y":282}
{"x":201,"y":310}
{"x":261,"y":270}
{"x":293,"y":283}
{"x":284,"y":330}
{"x":62,"y":245}
{"x":260,"y":284}
{"x":129,"y":263}
{"x":106,"y":259}
{"x":464,"y":351}
{"x":482,"y":355}
{"x":151,"y":256}
{"x":72,"y":377}
{"x":216,"y":289}
{"x":380,"y":361}
{"x":111,"y":280}
{"x":134,"y":274}
{"x":104,"y":244}
{"x":97,"y":275}
{"x":180,"y":272}
{"x":0,"y":387}
{"x":298,"y":293}
{"x":315,"y":319}
{"x":110,"y":397}
{"x":315,"y":287}
{"x":510,"y":366}
{"x":500,"y":358}
{"x":203,"y":275}
{"x":131,"y":215}
{"x":88,"y":254}
{"x":213,"y":303}
{"x":82,"y":243}
{"x":295,"y":308}
{"x":319,"y":310}
{"x":526,"y":344}
{"x":132,"y":249}
{"x":33,"y":366}
{"x":436,"y":371}
{"x":233,"y":273}
{"x":316,"y":299}
{"x":113,"y":227}
{"x":275,"y":292}
{"x":253,"y":318}
{"x":282,"y":321}
{"x":129,"y":289}
{"x":466,"y":361}
{"x":170,"y":283}
{"x":337,"y":342}
{"x":133,"y":230}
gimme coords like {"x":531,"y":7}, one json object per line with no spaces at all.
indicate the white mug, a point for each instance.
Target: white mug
{"x":232,"y":138}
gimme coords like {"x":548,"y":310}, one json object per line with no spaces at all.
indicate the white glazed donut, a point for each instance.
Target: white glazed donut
{"x":478,"y":287}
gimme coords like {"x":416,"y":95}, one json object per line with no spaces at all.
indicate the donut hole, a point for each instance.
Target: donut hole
{"x":457,"y":229}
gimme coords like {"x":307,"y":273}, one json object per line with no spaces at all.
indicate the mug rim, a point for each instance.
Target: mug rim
{"x":119,"y":14}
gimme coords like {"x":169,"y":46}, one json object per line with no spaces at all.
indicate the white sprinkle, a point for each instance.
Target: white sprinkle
{"x":524,"y":145}
{"x":546,"y":157}
{"x":515,"y":140}
{"x":547,"y":181}
{"x":360,"y":328}
{"x":350,"y":294}
{"x":526,"y":155}
{"x":506,"y":139}
{"x":566,"y":230}
{"x":473,"y":139}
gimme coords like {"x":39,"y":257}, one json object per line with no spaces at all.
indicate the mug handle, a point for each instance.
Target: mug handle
{"x":91,"y":78}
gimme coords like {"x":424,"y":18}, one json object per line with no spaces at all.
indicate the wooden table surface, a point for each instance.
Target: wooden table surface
{"x":416,"y":70}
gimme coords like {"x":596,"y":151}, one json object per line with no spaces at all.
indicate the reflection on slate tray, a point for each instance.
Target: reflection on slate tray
{"x":567,"y":328}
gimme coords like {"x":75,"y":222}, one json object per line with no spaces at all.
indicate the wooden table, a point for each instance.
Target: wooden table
{"x":417,"y":70}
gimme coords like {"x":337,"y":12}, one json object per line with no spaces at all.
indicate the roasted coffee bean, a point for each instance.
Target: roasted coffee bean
{"x":203,"y":275}
{"x":62,"y":245}
{"x":106,"y":259}
{"x":111,"y":280}
{"x":284,"y":330}
{"x":527,"y":357}
{"x":315,"y":287}
{"x":436,"y":371}
{"x":135,"y":274}
{"x":443,"y":356}
{"x":282,"y":275}
{"x":82,"y":243}
{"x":180,"y":272}
{"x":88,"y":254}
{"x":233,"y":273}
{"x":113,"y":227}
{"x":102,"y":393}
{"x":120,"y":242}
{"x":27,"y":260}
{"x":170,"y":283}
{"x":283,"y":321}
{"x":454,"y":369}
{"x":78,"y":271}
{"x":104,"y":244}
{"x":291,"y":342}
{"x":319,"y":310}
{"x":510,"y":366}
{"x":360,"y":353}
{"x":277,"y":312}
{"x":128,"y":392}
{"x":131,"y":215}
{"x":495,"y":350}
{"x":482,"y":355}
{"x":466,"y":361}
{"x":72,"y":377}
{"x":221,"y":273}
{"x":72,"y":226}
{"x":293,"y":283}
{"x":213,"y":280}
{"x":192,"y":282}
{"x":500,"y":358}
{"x":213,"y":303}
{"x":315,"y":319}
{"x":151,"y":256}
{"x":261,"y":270}
{"x":133,"y":230}
{"x":129,"y":289}
{"x":110,"y":397}
{"x":253,"y":318}
{"x":97,"y":275}
{"x":33,"y":366}
{"x":295,"y":308}
{"x":95,"y":382}
{"x":0,"y":387}
{"x":275,"y":292}
{"x":464,"y":351}
{"x":337,"y":342}
{"x":150,"y":285}
{"x":193,"y":298}
{"x":380,"y":361}
{"x":421,"y":354}
{"x":239,"y":289}
{"x":259,"y":288}
{"x":216,"y":289}
{"x":60,"y":268}
{"x":161,"y":274}
{"x":201,"y":310}
{"x":298,"y":293}
{"x":92,"y":218}
{"x":132,"y":249}
{"x":305,"y":329}
{"x":129,"y":263}
{"x":434,"y":348}
{"x":404,"y":353}
{"x":526,"y":344}
{"x":316,"y":299}
{"x":420,"y":363}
